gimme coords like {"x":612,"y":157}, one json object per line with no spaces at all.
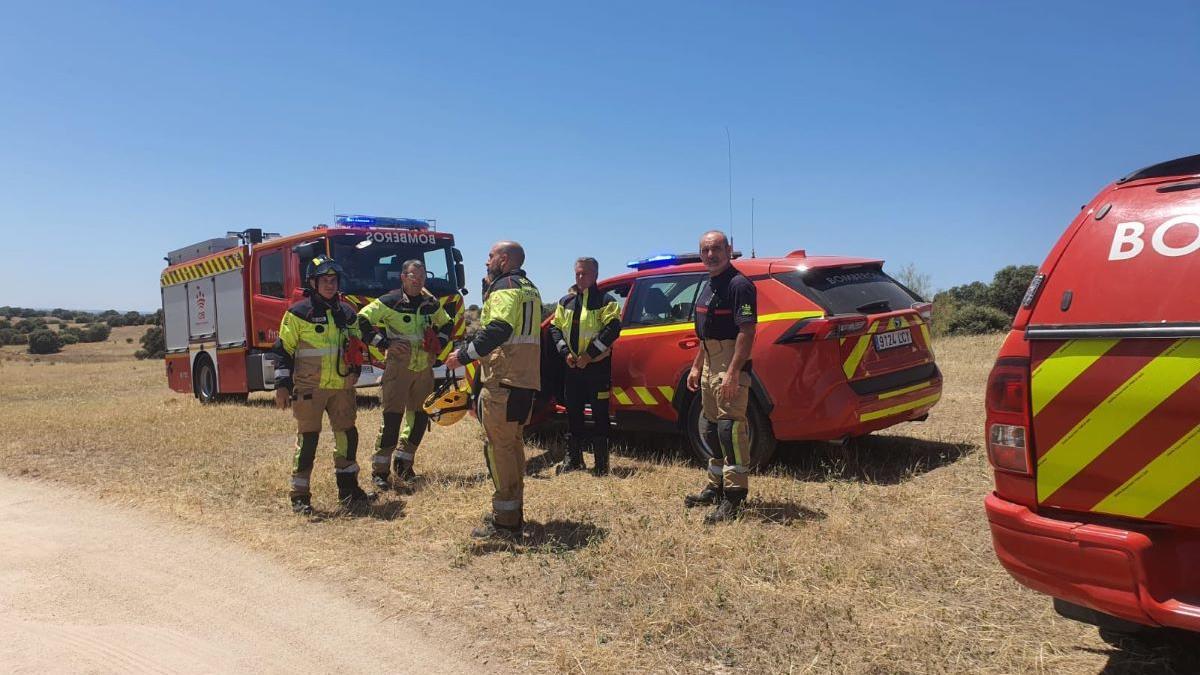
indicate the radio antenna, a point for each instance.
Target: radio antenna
{"x":752,"y":255}
{"x":729,"y":156}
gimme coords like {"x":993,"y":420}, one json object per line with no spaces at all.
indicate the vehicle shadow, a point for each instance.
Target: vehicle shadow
{"x":554,"y":537}
{"x":884,"y":460}
{"x":1162,"y":651}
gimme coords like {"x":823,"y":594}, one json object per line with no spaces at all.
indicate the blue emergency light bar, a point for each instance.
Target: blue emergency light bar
{"x":667,"y":259}
{"x":380,"y":221}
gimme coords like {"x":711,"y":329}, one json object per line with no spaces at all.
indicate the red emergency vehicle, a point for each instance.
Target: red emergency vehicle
{"x":841,"y":350}
{"x":223,"y":299}
{"x":1093,"y":411}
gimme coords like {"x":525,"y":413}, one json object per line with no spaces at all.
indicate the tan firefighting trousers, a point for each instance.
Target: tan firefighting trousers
{"x":730,"y":465}
{"x":308,"y":408}
{"x":504,"y":413}
{"x":403,"y":390}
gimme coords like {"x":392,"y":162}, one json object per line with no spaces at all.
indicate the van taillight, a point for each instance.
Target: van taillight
{"x":1008,"y":422}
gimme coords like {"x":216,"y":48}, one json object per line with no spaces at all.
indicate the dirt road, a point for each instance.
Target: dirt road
{"x":90,"y":587}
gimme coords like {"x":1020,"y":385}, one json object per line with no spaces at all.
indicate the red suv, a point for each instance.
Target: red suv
{"x":842,"y":350}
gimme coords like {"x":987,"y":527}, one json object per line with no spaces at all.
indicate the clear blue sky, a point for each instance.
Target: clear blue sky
{"x":960,"y":136}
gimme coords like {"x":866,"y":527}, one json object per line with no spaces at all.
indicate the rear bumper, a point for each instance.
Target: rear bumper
{"x":1147,"y":577}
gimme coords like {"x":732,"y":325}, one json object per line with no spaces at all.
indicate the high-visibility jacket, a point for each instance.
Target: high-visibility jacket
{"x":508,"y":346}
{"x":311,"y":350}
{"x":422,"y":322}
{"x":586,"y":322}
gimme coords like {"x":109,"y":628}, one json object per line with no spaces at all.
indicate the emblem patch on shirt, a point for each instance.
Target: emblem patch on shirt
{"x":746,"y":310}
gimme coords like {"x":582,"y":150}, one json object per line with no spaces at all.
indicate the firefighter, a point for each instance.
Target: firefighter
{"x":726,"y":317}
{"x":508,"y":347}
{"x":415,"y":329}
{"x":586,"y":323}
{"x":315,"y":373}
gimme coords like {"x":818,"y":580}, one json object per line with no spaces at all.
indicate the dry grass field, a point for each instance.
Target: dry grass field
{"x":876,"y":560}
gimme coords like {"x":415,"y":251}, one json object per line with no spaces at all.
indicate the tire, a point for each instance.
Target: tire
{"x":204,"y":376}
{"x":762,"y":439}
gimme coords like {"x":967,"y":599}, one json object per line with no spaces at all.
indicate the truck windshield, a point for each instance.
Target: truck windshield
{"x":850,"y":290}
{"x":374,"y":269}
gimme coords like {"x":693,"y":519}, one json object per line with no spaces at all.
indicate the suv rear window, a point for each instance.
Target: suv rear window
{"x":850,"y":290}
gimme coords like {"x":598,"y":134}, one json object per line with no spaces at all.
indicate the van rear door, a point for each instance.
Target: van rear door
{"x":1115,"y":359}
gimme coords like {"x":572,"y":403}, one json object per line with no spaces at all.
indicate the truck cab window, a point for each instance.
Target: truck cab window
{"x":270,"y":275}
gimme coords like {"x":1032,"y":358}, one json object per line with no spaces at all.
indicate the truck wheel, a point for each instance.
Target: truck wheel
{"x":205,"y":379}
{"x":762,"y":439}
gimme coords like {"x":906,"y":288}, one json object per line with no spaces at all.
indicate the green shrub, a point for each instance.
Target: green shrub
{"x":977,"y":320}
{"x":95,"y":332}
{"x":68,"y":338}
{"x":44,"y":342}
{"x":154,"y":344}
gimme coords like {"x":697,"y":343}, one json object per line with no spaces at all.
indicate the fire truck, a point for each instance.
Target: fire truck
{"x":223,"y":298}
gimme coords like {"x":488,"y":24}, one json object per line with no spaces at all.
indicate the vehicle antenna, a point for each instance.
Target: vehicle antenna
{"x":752,"y":254}
{"x":729,"y":156}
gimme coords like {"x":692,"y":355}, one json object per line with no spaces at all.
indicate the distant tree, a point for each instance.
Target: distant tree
{"x":9,"y":336}
{"x":1009,"y":286}
{"x":95,"y":332}
{"x":60,"y":313}
{"x":44,"y":342}
{"x":974,"y":293}
{"x":976,"y":320}
{"x":68,"y":338}
{"x":115,"y":321}
{"x":134,"y":319}
{"x":5,"y":323}
{"x":916,"y":281}
{"x":154,"y":344}
{"x":158,"y":318}
{"x":30,"y":325}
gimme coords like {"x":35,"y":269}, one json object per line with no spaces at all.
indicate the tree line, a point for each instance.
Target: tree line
{"x":975,"y":308}
{"x":47,"y":332}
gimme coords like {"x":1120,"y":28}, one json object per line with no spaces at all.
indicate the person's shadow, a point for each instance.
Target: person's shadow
{"x":553,"y":537}
{"x":780,"y":513}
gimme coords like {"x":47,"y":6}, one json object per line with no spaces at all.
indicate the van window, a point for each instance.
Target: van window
{"x":849,"y":290}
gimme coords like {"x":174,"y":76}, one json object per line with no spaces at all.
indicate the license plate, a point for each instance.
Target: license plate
{"x":896,"y":338}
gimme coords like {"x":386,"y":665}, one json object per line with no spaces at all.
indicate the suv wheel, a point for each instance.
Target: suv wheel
{"x":762,"y":439}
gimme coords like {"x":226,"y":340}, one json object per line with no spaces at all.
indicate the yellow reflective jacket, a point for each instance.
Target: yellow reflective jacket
{"x":508,"y":346}
{"x":311,"y":350}
{"x":406,"y":319}
{"x":586,"y":322}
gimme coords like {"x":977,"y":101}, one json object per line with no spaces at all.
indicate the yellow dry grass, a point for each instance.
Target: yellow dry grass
{"x":876,"y":560}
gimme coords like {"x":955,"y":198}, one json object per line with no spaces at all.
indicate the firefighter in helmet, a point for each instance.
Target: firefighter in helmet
{"x":586,"y":323}
{"x":508,"y":347}
{"x":316,"y":354}
{"x":726,"y":318}
{"x":413,"y":327}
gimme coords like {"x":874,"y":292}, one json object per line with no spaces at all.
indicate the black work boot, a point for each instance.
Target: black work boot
{"x":729,"y":508}
{"x":350,"y":495}
{"x":574,"y":459}
{"x":492,"y":531}
{"x":600,"y":452}
{"x":381,"y":482}
{"x":711,"y":494}
{"x":302,"y":504}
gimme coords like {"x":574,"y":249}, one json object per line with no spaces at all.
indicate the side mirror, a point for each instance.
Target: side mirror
{"x":461,"y":273}
{"x":457,"y":255}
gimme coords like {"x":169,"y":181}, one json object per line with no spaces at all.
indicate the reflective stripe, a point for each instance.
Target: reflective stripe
{"x":715,"y":469}
{"x":324,"y":351}
{"x":472,"y":352}
{"x":353,"y":468}
{"x":621,"y":396}
{"x":1133,"y":400}
{"x":282,"y":372}
{"x":299,"y":482}
{"x":407,"y":337}
{"x":379,"y":461}
{"x":406,"y":456}
{"x":907,"y":390}
{"x":667,"y":392}
{"x":522,"y":340}
{"x":645,"y":395}
{"x":506,"y":504}
{"x":651,"y":330}
{"x":1062,"y":367}
{"x":739,"y":453}
{"x":897,"y":409}
{"x":599,"y":345}
{"x":602,"y":395}
{"x":562,"y":344}
{"x":1159,"y":481}
{"x":737,"y":468}
{"x":860,"y":349}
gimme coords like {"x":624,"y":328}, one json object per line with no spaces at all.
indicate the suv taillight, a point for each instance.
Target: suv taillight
{"x":1008,"y":420}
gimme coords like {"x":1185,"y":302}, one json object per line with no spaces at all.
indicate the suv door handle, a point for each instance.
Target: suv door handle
{"x":688,"y":343}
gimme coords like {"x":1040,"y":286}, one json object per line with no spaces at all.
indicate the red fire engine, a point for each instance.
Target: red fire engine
{"x":1093,"y":426}
{"x":223,"y":298}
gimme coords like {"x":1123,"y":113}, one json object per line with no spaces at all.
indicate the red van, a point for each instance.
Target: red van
{"x":1093,"y":411}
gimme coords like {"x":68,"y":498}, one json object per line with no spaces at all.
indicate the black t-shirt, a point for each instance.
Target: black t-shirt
{"x":727,"y":301}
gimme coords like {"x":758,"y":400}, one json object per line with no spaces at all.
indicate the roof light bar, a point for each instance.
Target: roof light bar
{"x":667,"y":259}
{"x":344,"y":220}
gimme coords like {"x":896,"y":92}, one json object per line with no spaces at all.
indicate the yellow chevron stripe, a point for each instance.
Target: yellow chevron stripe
{"x":900,"y":392}
{"x":621,"y":396}
{"x":784,"y":316}
{"x":860,"y":349}
{"x":644,"y":394}
{"x":897,"y":409}
{"x":1062,"y":368}
{"x":1158,"y":481}
{"x":668,"y":393}
{"x":925,"y":334}
{"x":1125,"y":407}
